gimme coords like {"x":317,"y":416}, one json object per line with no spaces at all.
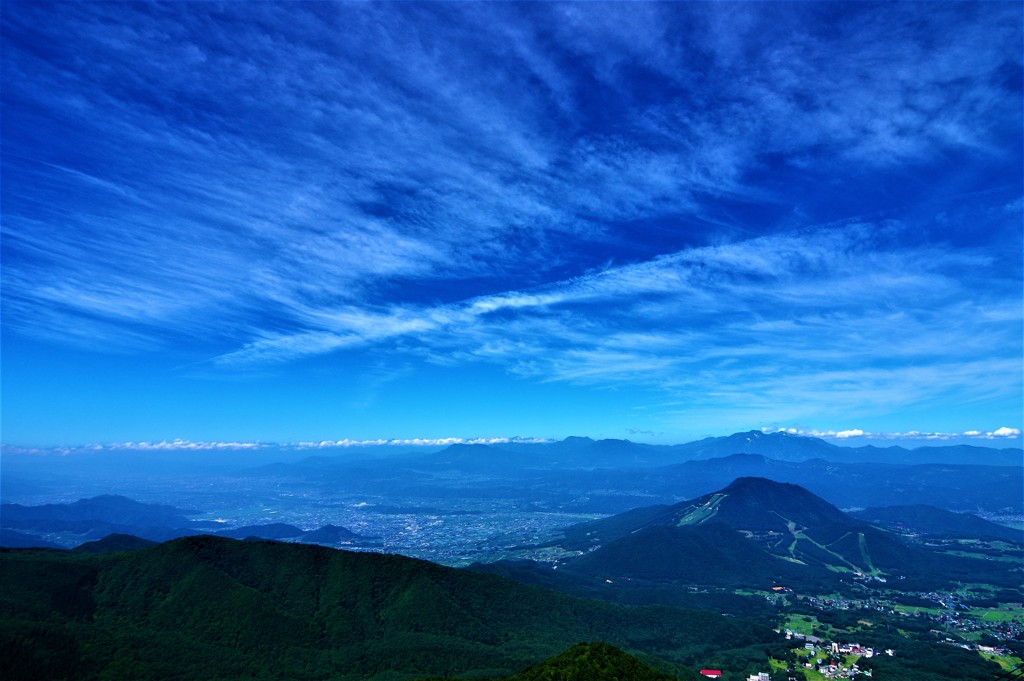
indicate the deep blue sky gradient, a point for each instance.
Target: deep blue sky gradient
{"x":661,"y":221}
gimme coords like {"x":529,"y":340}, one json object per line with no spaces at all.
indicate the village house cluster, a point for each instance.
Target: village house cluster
{"x":834,"y":659}
{"x":956,"y":618}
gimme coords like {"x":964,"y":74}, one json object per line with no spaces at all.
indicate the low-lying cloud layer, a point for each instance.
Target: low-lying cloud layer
{"x":1003,"y":433}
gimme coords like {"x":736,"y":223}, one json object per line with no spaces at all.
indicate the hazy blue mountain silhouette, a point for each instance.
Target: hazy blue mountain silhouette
{"x":937,"y":522}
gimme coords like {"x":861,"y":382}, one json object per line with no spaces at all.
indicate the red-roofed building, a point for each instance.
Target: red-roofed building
{"x":711,"y":673}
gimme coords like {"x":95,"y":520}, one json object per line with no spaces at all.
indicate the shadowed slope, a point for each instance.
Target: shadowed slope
{"x":208,"y":607}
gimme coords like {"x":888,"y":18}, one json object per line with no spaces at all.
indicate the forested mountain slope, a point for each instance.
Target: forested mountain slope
{"x":215,"y":608}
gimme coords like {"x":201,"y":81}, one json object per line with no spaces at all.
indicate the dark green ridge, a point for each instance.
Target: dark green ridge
{"x":593,"y":662}
{"x":214,"y":608}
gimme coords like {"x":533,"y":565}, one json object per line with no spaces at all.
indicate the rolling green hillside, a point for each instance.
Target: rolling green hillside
{"x":214,"y":608}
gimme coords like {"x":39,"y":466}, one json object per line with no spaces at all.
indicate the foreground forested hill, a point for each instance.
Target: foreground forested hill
{"x":215,"y":608}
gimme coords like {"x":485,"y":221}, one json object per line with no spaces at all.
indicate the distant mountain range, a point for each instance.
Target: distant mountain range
{"x":781,"y":446}
{"x":107,"y":508}
{"x":960,"y":487}
{"x":586,"y":453}
{"x":576,"y":475}
{"x":94,"y":518}
{"x":90,"y":520}
{"x":584,"y":475}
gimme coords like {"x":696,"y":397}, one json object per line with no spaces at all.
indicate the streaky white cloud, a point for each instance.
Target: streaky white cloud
{"x":809,"y":320}
{"x":286,"y":348}
{"x":120,"y":190}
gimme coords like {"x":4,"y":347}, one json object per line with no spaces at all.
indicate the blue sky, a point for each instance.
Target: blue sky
{"x":303,"y":222}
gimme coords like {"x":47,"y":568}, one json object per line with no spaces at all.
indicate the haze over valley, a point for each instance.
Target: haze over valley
{"x":463,"y":503}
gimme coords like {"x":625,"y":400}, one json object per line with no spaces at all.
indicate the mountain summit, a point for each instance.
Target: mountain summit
{"x":781,"y":446}
{"x":756,"y":504}
{"x":748,"y":503}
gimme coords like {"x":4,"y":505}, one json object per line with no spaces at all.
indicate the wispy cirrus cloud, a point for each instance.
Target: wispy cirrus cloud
{"x":805,"y":322}
{"x":751,"y":205}
{"x":266,"y":204}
